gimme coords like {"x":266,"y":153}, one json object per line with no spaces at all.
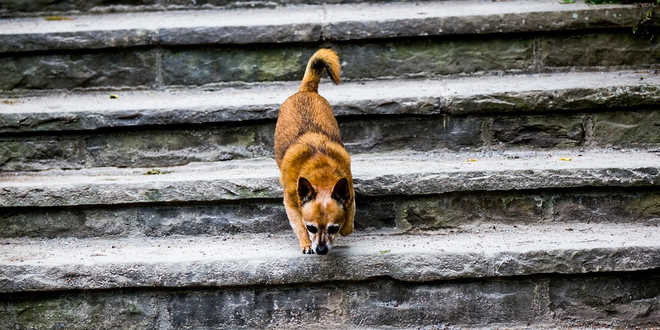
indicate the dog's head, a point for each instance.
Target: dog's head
{"x":324,"y":207}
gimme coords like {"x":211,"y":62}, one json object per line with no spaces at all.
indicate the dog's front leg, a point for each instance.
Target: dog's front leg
{"x":296,"y":222}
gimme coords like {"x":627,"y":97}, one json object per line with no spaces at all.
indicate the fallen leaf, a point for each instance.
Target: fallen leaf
{"x":471,"y":160}
{"x":384,"y":251}
{"x":156,"y":171}
{"x":566,"y":159}
{"x":114,"y":96}
{"x":9,"y":102}
{"x":58,"y":18}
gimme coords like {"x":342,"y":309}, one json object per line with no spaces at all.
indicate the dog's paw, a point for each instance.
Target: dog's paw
{"x":307,"y":250}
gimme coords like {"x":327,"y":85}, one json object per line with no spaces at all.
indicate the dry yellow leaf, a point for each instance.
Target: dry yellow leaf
{"x":566,"y":159}
{"x":58,"y":18}
{"x":471,"y":160}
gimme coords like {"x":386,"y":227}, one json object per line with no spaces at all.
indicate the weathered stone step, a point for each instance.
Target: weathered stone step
{"x":376,"y":280}
{"x":179,"y":126}
{"x":18,"y":8}
{"x":598,"y":300}
{"x":309,"y":24}
{"x":400,"y":192}
{"x":70,"y":264}
{"x":374,"y":175}
{"x":486,"y":95}
{"x":393,"y":40}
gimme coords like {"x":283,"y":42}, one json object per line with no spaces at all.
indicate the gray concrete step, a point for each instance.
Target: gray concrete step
{"x":179,"y":126}
{"x":399,"y":191}
{"x":600,"y":274}
{"x":374,"y":41}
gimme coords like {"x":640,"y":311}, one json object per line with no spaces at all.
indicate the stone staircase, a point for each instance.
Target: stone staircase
{"x":506,"y":158}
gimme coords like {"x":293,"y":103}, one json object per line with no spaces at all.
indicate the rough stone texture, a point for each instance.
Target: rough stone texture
{"x":12,"y":8}
{"x":265,"y":216}
{"x":234,"y":46}
{"x":431,"y":57}
{"x":558,"y":300}
{"x":452,"y":210}
{"x":223,"y":64}
{"x":613,"y":299}
{"x":536,"y":93}
{"x":176,"y":146}
{"x":396,"y":174}
{"x":309,"y":24}
{"x":596,"y":49}
{"x":70,"y":264}
{"x":550,"y":131}
{"x":460,"y":209}
{"x":596,"y":207}
{"x":627,"y":128}
{"x":401,"y":58}
{"x":411,"y":133}
{"x":137,"y":148}
{"x":53,"y":71}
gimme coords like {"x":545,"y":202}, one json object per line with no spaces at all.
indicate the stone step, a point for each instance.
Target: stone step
{"x":399,"y":191}
{"x":178,"y":126}
{"x":593,"y":273}
{"x":374,"y":41}
{"x":21,"y":8}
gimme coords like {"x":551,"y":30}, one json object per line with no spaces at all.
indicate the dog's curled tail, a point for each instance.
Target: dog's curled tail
{"x":324,"y":58}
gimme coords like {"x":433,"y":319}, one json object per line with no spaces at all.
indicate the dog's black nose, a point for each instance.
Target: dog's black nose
{"x":321,"y":249}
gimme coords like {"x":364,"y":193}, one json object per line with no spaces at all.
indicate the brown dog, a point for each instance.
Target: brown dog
{"x":315,"y":169}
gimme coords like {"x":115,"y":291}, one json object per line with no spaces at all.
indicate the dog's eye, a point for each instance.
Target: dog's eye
{"x":333,"y":229}
{"x":312,"y":229}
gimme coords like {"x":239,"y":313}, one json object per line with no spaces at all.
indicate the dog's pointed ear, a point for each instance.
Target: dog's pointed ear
{"x":305,"y":191}
{"x":340,"y":192}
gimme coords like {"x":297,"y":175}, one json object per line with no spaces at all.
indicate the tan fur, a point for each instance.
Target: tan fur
{"x":308,"y":145}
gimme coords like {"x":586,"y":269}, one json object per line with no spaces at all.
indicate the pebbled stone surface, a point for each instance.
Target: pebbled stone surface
{"x":397,"y":174}
{"x":535,"y":93}
{"x":307,"y":23}
{"x":69,"y":264}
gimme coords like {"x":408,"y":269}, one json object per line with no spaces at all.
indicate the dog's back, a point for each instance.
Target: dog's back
{"x":307,"y":112}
